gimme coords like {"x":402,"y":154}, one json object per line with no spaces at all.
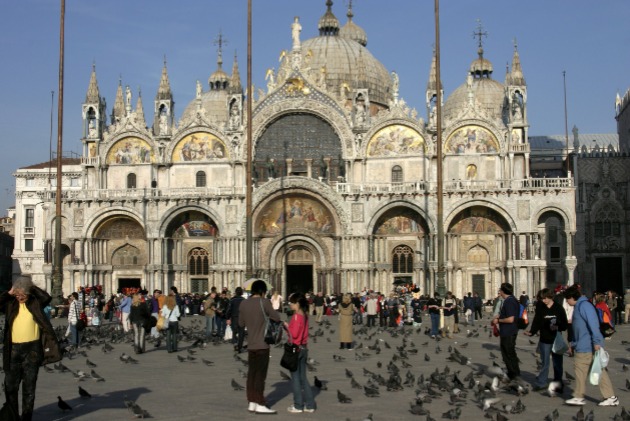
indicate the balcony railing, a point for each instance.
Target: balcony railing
{"x":149,"y":193}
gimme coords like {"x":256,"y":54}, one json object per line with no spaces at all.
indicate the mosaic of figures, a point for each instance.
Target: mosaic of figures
{"x":194,"y":224}
{"x":471,"y":140}
{"x":294,"y":211}
{"x":394,"y":141}
{"x":199,"y":147}
{"x":130,"y":150}
{"x":478,"y":219}
{"x":399,"y":221}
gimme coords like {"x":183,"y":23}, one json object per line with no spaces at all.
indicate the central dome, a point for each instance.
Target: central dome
{"x":346,"y":60}
{"x":342,"y":58}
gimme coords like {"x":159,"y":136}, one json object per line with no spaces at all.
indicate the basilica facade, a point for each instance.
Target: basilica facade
{"x":344,"y":174}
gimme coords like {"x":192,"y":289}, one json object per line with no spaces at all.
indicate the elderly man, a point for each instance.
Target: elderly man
{"x":29,"y":341}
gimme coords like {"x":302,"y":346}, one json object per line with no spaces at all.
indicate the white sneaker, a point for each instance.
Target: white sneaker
{"x":252,"y":407}
{"x":309,"y":410}
{"x":262,"y":409}
{"x":612,"y":401}
{"x":576,"y":401}
{"x":292,"y":409}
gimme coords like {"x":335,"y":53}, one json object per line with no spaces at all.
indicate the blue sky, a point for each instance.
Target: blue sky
{"x":129,"y":39}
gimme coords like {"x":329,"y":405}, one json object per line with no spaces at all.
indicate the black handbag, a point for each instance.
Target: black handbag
{"x":290,"y":357}
{"x":273,"y":329}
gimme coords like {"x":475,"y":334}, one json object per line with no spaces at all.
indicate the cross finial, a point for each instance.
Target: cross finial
{"x":480,"y":33}
{"x":164,"y":60}
{"x":515,"y":44}
{"x":220,"y":41}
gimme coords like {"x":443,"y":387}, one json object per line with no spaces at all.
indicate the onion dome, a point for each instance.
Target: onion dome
{"x":328,"y":24}
{"x":353,"y":31}
{"x":339,"y":56}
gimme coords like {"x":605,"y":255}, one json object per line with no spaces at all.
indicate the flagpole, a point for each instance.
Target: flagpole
{"x":249,"y":184}
{"x":441,"y":284}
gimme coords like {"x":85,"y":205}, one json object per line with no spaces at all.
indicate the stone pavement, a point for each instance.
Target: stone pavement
{"x":172,"y":390}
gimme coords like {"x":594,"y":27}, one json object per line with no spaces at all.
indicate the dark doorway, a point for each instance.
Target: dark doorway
{"x":299,"y":278}
{"x":609,"y":274}
{"x":479,"y":285}
{"x":126,"y":285}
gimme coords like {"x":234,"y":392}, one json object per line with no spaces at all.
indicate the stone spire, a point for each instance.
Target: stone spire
{"x":93,"y":95}
{"x":235,"y":83}
{"x":140,"y":109}
{"x":118,"y":112}
{"x":164,"y":91}
{"x":516,"y":74}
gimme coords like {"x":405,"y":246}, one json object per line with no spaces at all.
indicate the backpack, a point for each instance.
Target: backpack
{"x":523,"y":320}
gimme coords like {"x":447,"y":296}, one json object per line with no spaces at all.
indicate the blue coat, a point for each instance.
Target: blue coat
{"x":585,"y":324}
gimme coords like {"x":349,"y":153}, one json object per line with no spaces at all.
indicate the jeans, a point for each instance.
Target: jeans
{"x":138,"y":337}
{"x":258,"y":360}
{"x":209,"y":326}
{"x":302,"y":392}
{"x":221,"y":325}
{"x":171,"y":336}
{"x":546,"y":355}
{"x":371,"y":320}
{"x":478,"y":314}
{"x":508,"y":352}
{"x":75,"y":335}
{"x":435,"y":323}
{"x":25,"y":361}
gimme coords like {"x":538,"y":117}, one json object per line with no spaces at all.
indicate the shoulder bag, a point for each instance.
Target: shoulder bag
{"x":162,"y":322}
{"x":273,"y":330}
{"x":291,"y":355}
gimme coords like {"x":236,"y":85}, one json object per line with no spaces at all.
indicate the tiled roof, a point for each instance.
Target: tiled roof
{"x":53,"y":164}
{"x":558,"y":141}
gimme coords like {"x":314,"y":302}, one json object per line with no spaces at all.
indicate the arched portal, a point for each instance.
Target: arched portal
{"x":477,"y":251}
{"x":299,"y":270}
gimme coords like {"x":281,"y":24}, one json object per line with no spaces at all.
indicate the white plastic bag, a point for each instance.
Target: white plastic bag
{"x":596,"y":369}
{"x":559,"y":346}
{"x":228,"y":334}
{"x":603,"y":357}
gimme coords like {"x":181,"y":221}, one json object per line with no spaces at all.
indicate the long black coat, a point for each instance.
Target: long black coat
{"x":140,"y":315}
{"x":37,"y":300}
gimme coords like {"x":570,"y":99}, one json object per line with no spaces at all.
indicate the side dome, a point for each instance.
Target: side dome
{"x":214,"y":102}
{"x":353,"y":31}
{"x":485,"y":91}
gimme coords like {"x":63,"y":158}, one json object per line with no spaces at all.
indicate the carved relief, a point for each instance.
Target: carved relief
{"x":78,"y":217}
{"x":523,"y":209}
{"x":357,"y":212}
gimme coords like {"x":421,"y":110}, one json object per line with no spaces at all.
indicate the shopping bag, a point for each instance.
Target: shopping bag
{"x":228,"y":334}
{"x":559,"y":346}
{"x":596,"y":369}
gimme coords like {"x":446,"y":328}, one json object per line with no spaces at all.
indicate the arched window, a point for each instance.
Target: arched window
{"x":198,"y":262}
{"x":131,"y":181}
{"x":201,"y":179}
{"x":402,"y":260}
{"x":397,"y":174}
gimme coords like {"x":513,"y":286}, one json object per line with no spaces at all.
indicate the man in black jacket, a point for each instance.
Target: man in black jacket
{"x":29,"y":341}
{"x":238,"y":332}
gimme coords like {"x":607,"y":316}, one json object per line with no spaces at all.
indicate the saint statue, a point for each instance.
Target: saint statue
{"x":296,"y":28}
{"x":199,"y":90}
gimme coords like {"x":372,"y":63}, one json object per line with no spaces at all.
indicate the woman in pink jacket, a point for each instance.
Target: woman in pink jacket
{"x":297,"y":327}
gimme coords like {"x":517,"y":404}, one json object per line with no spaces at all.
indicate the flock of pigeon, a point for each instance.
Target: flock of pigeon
{"x":437,"y":377}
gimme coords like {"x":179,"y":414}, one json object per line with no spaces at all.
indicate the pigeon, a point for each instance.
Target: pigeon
{"x":284,"y":376}
{"x":580,"y":415}
{"x":590,"y":416}
{"x":338,"y":358}
{"x":207,"y":362}
{"x":96,"y":377}
{"x":554,"y":388}
{"x":90,"y":364}
{"x":343,"y":398}
{"x":487,"y":403}
{"x":371,"y":392}
{"x":553,"y":416}
{"x":128,"y":402}
{"x":355,"y":384}
{"x":518,"y":408}
{"x":417,"y":409}
{"x":452,"y":414}
{"x":138,"y":412}
{"x":319,"y":384}
{"x":349,"y":374}
{"x":236,"y":386}
{"x":84,"y":393}
{"x":63,"y":405}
